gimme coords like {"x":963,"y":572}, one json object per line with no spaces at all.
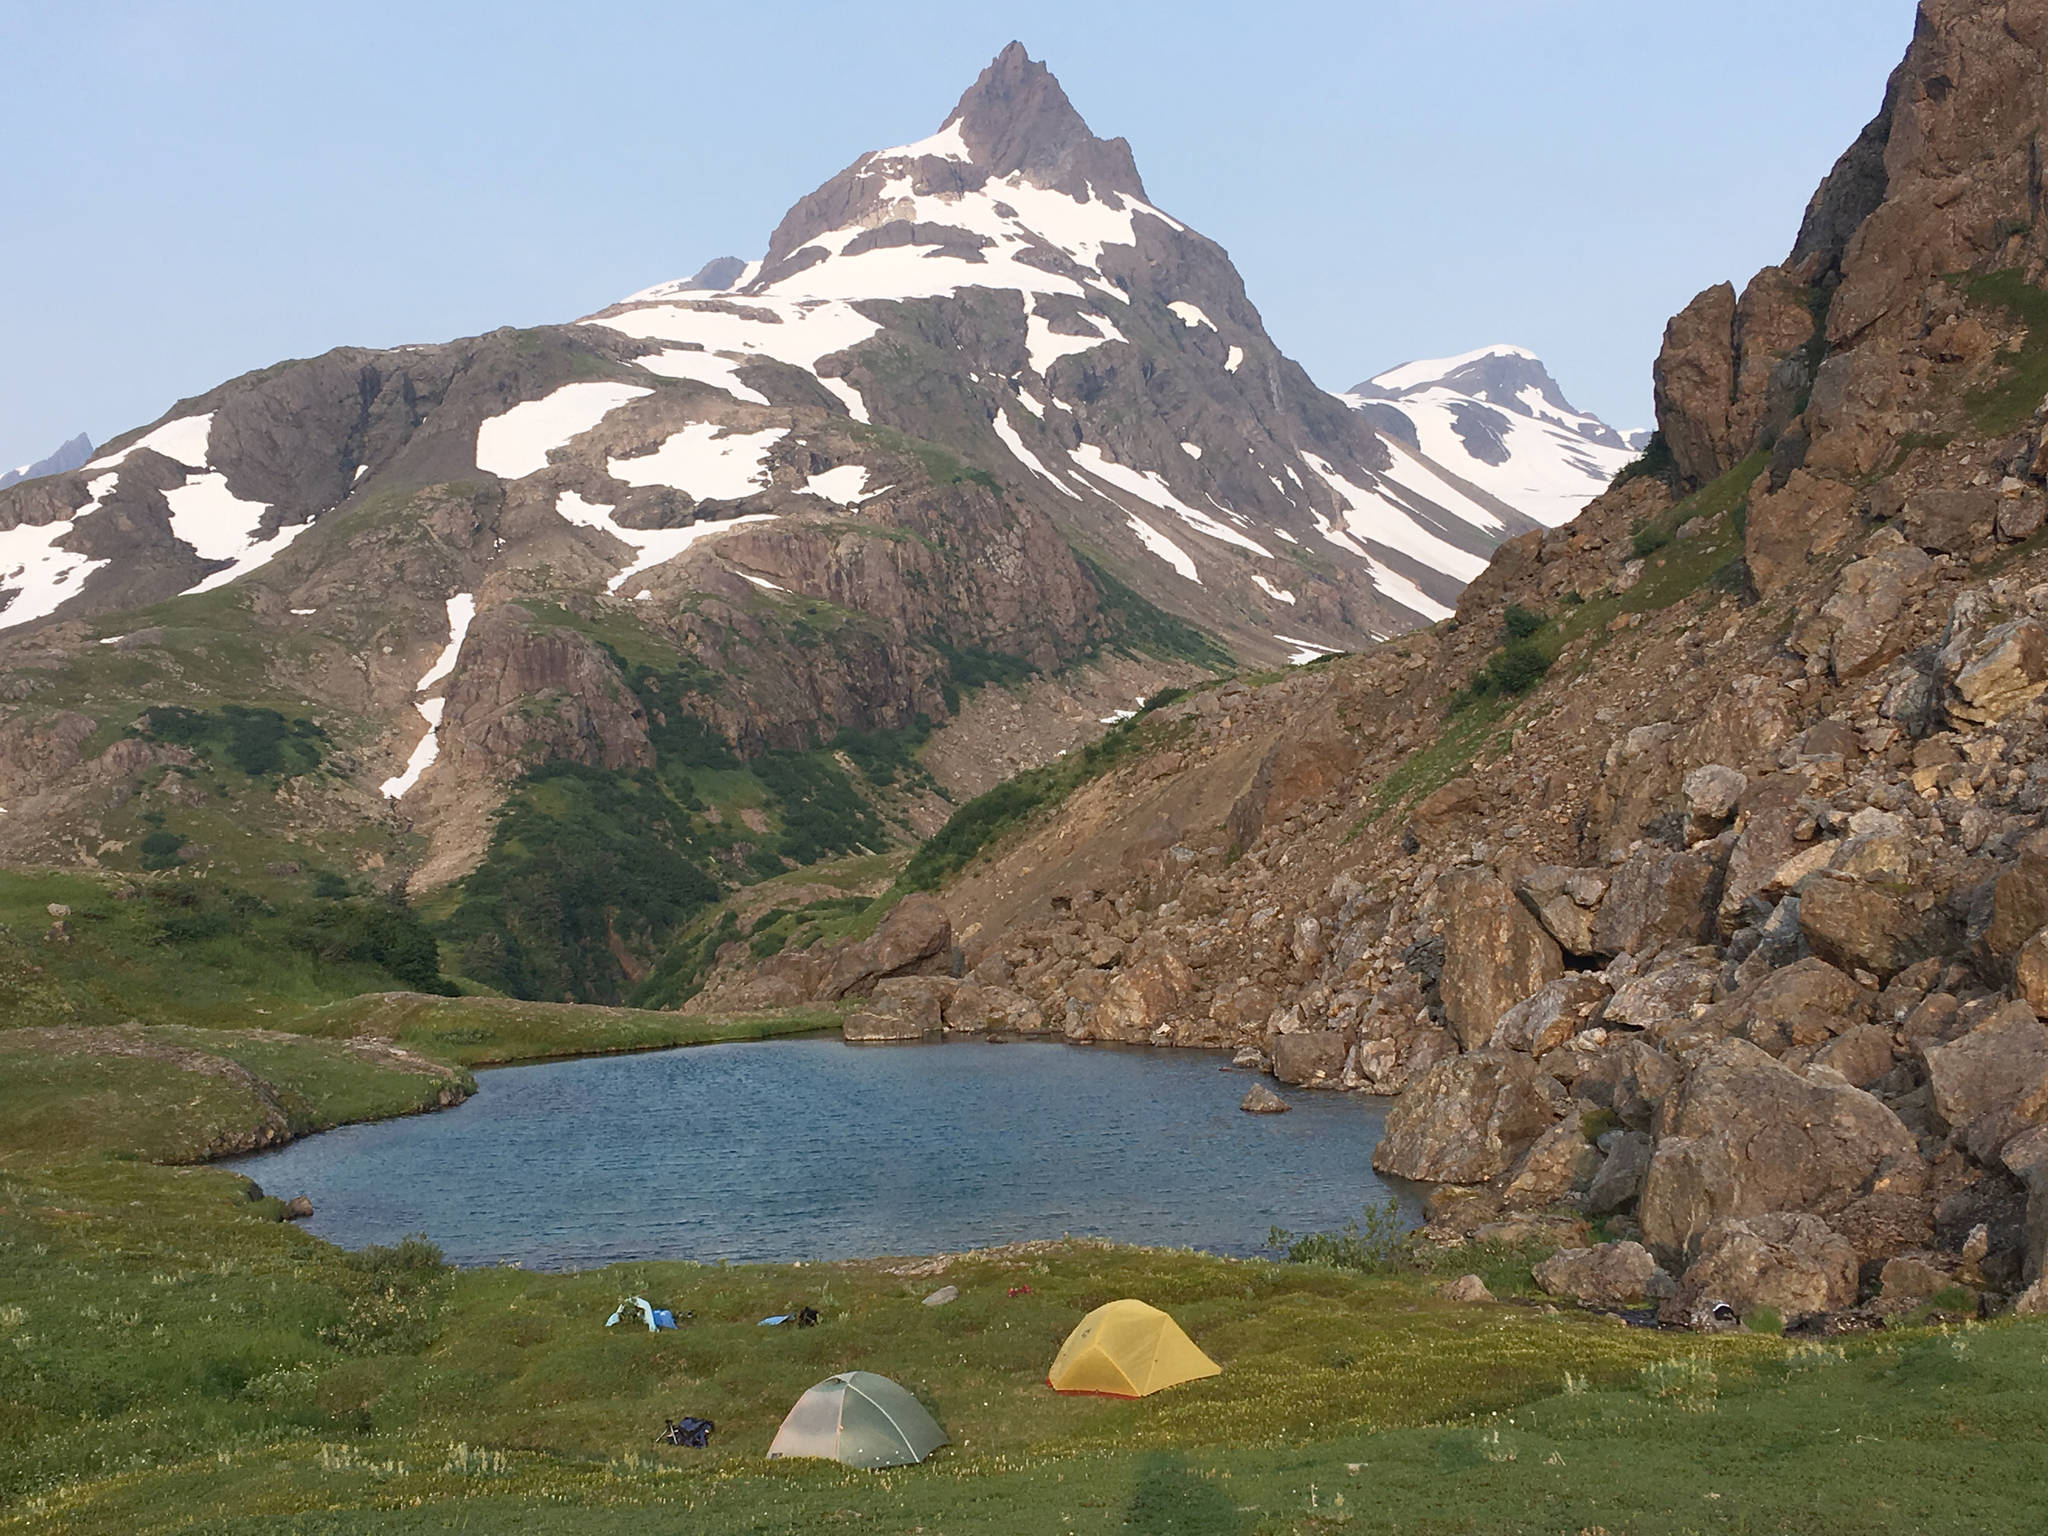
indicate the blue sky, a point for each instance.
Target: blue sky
{"x":196,"y":189}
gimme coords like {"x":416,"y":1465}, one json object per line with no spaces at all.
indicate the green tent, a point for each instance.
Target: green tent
{"x":861,"y":1419}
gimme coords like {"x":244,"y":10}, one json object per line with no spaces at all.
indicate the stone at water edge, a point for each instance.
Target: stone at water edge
{"x":1264,"y":1101}
{"x":298,"y":1208}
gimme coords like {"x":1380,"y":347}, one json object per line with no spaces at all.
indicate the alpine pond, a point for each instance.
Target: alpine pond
{"x":813,"y":1149}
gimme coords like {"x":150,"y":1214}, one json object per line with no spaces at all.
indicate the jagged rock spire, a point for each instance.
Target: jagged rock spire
{"x":1015,"y":117}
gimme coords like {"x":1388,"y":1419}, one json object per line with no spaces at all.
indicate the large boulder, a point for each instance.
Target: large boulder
{"x":1310,"y":1058}
{"x":1559,"y":1162}
{"x":2019,"y":908}
{"x":1552,"y":1016}
{"x":2006,"y":672}
{"x":1804,"y":1004}
{"x":1745,"y":1136}
{"x":1468,"y":1119}
{"x":978,"y":1009}
{"x":1808,"y":516}
{"x":1565,"y":901}
{"x":1608,"y":1275}
{"x":901,"y":1008}
{"x":1262,"y":1100}
{"x":1770,"y":820}
{"x":1995,"y":1076}
{"x":1665,"y":997}
{"x":916,"y":933}
{"x":1950,"y":519}
{"x":1657,"y":897}
{"x":1792,"y":1263}
{"x":1619,"y":1182}
{"x":1712,"y":792}
{"x":1868,"y":927}
{"x":1495,"y":954}
{"x":1398,"y":1041}
{"x":1631,"y":1077}
{"x":1860,"y":615}
{"x":1145,"y":998}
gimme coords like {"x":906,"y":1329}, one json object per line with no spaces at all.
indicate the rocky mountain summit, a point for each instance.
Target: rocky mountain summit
{"x":71,"y":455}
{"x":1493,"y":427}
{"x":718,"y":555}
{"x":1689,"y":887}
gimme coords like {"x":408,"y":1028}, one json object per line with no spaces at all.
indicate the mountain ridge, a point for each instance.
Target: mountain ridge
{"x":69,"y":455}
{"x":688,"y":571}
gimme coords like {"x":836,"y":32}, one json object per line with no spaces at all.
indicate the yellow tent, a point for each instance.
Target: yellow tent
{"x":1127,"y":1349}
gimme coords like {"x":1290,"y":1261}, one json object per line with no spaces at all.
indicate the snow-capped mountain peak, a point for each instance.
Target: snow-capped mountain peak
{"x":1496,"y":420}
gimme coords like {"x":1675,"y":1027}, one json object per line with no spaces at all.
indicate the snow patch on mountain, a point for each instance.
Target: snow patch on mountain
{"x":1496,"y":420}
{"x":1149,"y":486}
{"x":39,"y":576}
{"x":703,"y":464}
{"x":1372,"y":518}
{"x":845,"y":484}
{"x":184,"y":441}
{"x":715,"y":369}
{"x":1015,"y":443}
{"x":1164,"y":547}
{"x":1278,"y":594}
{"x":516,"y":443}
{"x":651,"y":546}
{"x":219,"y":525}
{"x":461,"y":611}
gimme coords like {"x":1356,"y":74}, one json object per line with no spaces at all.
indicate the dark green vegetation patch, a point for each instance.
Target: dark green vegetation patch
{"x":260,"y":742}
{"x":584,"y":862}
{"x":988,"y":817}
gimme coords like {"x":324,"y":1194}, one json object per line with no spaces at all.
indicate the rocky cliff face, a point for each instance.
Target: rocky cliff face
{"x":1692,"y":877}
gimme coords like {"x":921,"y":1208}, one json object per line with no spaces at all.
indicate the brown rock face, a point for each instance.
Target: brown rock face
{"x":1694,"y":383}
{"x":1808,"y":518}
{"x":1469,"y":1119}
{"x":1609,"y":1275}
{"x":1856,"y":926}
{"x":1794,"y":1264}
{"x":915,"y":933}
{"x":1746,"y":1136}
{"x":2000,"y":1066}
{"x":1657,"y":898}
{"x":1721,"y":385}
{"x":490,"y":726}
{"x":1495,"y":954}
{"x":1303,"y":766}
{"x":1311,"y":1057}
{"x":1144,"y":997}
{"x":908,"y":1008}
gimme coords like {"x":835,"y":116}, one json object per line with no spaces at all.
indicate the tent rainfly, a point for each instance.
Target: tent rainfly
{"x":1127,"y":1349}
{"x":861,"y":1419}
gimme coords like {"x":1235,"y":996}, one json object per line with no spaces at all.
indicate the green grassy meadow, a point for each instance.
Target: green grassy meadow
{"x":174,"y":1357}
